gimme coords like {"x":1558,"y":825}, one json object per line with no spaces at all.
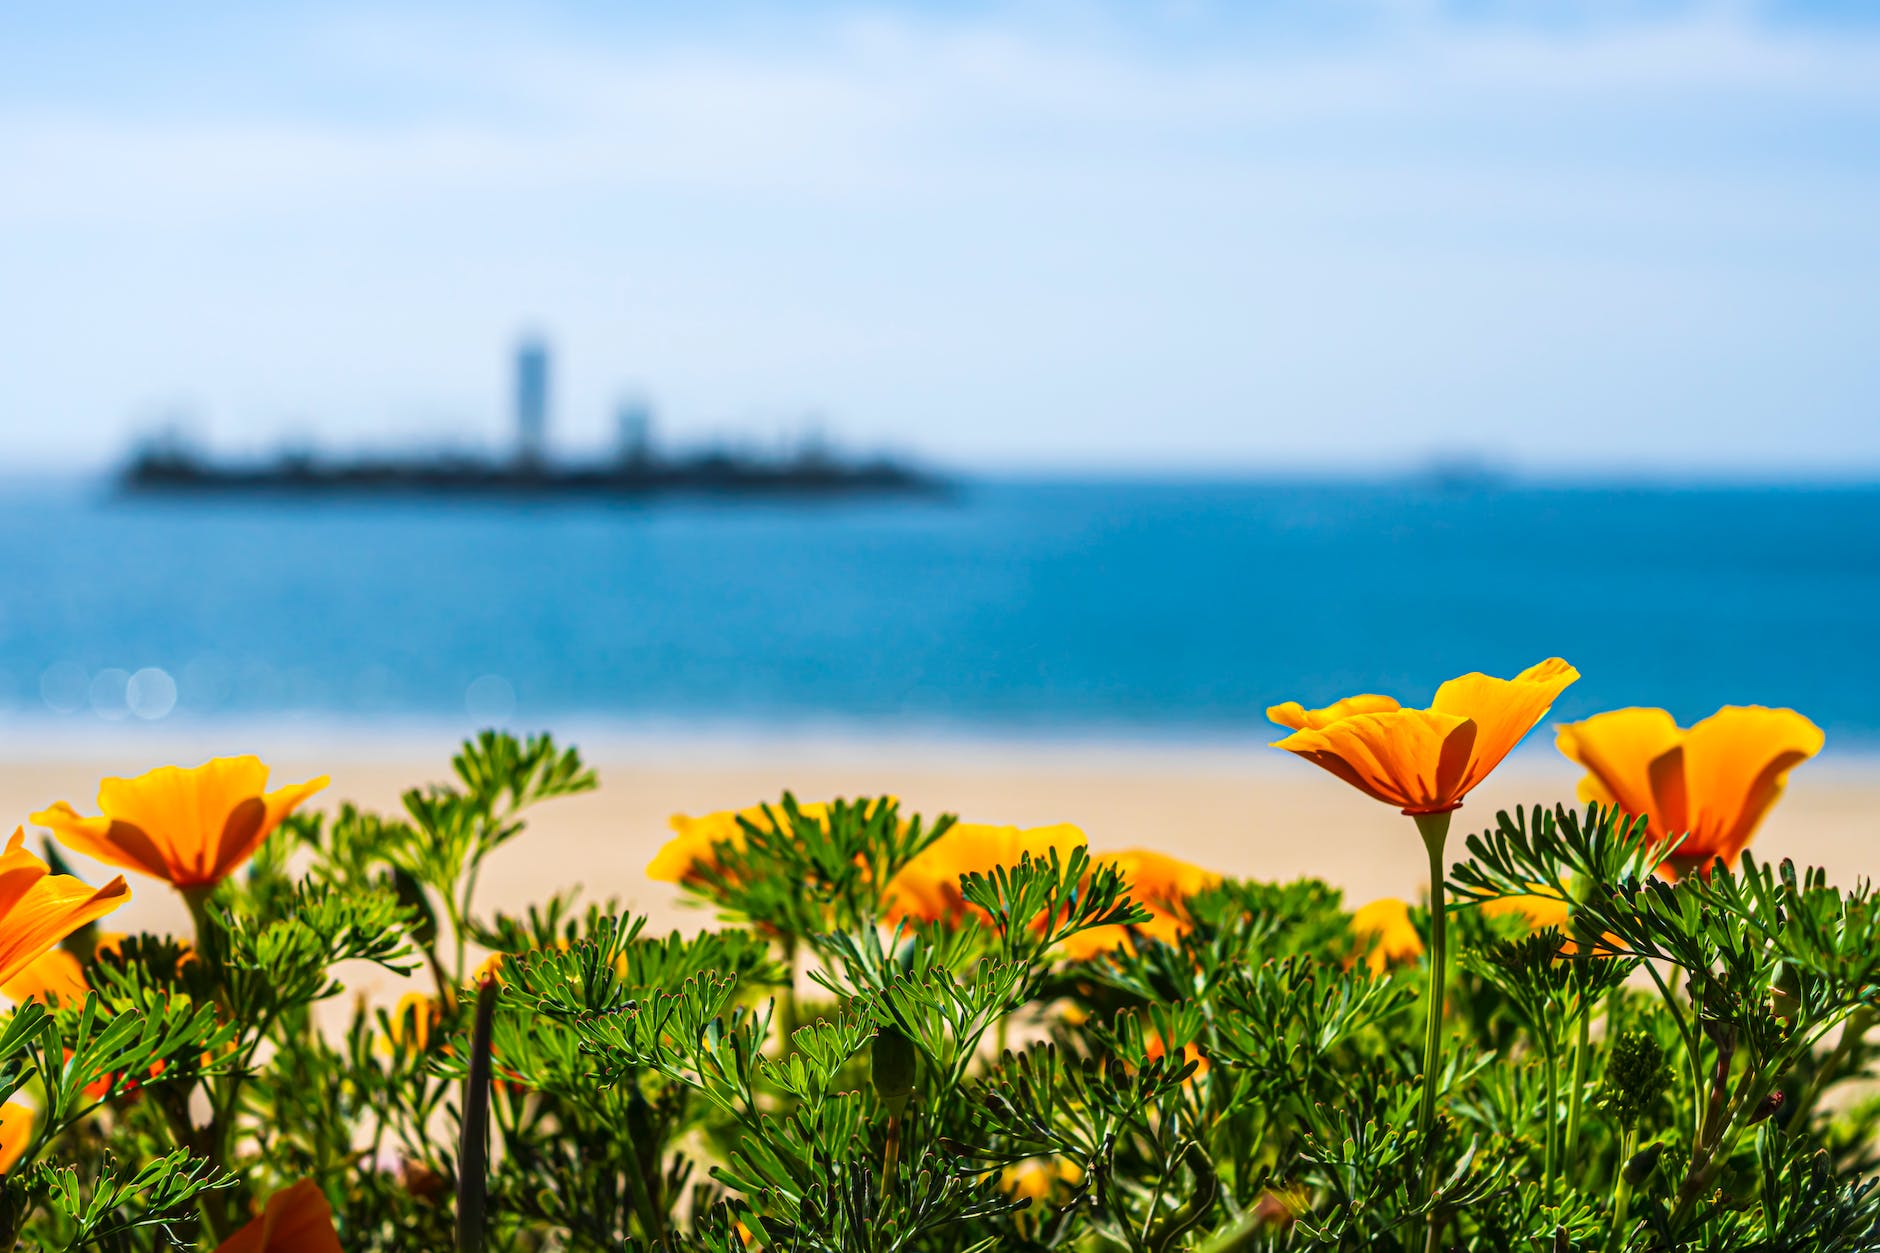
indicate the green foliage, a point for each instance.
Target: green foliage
{"x":799,"y":874}
{"x":111,"y":1207}
{"x":1051,"y":1065}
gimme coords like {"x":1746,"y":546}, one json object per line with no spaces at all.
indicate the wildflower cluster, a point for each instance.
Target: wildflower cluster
{"x":1608,"y":1027}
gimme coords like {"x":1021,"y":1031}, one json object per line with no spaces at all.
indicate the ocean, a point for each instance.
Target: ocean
{"x":1067,"y":609}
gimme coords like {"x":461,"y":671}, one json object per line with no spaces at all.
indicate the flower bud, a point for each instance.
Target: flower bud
{"x":893,"y":1063}
{"x":1639,"y":1168}
{"x":1785,"y":992}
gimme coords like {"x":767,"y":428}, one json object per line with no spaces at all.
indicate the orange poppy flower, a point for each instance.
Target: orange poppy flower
{"x":1424,"y":761}
{"x":1386,"y":934}
{"x":39,"y":908}
{"x":296,"y":1219}
{"x":1713,"y":782}
{"x":680,"y":859}
{"x":1159,"y":883}
{"x":928,"y":887}
{"x":55,"y":978}
{"x":16,"y":1133}
{"x":189,"y":826}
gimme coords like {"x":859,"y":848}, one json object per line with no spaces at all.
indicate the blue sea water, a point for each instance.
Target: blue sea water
{"x":1061,"y":608}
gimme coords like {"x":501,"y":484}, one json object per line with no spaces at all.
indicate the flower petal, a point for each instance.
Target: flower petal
{"x":56,"y":977}
{"x":1503,"y":710}
{"x":119,"y":844}
{"x":1736,"y":763}
{"x":1410,"y":758}
{"x":1297,"y":717}
{"x":253,"y":820}
{"x":1158,"y":878}
{"x":693,"y":838}
{"x":1387,"y":932}
{"x":928,"y":887}
{"x":50,"y":910}
{"x":184,"y":809}
{"x":16,"y":1134}
{"x":1541,"y":908}
{"x":296,"y":1219}
{"x":19,"y":871}
{"x":1617,"y":750}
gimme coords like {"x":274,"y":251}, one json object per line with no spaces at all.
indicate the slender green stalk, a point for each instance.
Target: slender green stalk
{"x":473,"y":1150}
{"x":1851,"y":1032}
{"x":1692,"y":1050}
{"x":787,"y":1010}
{"x":1434,"y":828}
{"x":219,"y":1207}
{"x":1576,"y":1091}
{"x":891,"y":1158}
{"x":1621,"y":1190}
{"x":1551,"y":1069}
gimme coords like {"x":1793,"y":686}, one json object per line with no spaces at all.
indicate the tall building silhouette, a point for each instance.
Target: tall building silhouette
{"x":531,"y":402}
{"x":635,"y":417}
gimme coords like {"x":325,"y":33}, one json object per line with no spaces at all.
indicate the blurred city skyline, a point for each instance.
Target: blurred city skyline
{"x":1620,"y":237}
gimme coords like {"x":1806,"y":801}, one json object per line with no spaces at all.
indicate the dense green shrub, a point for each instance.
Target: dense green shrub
{"x":1047,"y":1055}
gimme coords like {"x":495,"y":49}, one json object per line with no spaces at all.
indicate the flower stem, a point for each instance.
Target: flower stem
{"x":1621,"y":1191}
{"x":1434,"y":828}
{"x":789,"y":1014}
{"x":1551,"y":1071}
{"x":1826,"y":1073}
{"x":1576,"y":1089}
{"x":473,"y":1144}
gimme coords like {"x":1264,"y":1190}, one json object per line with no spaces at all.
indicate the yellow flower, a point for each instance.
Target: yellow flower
{"x":928,"y":887}
{"x":16,"y":1133}
{"x":39,"y":908}
{"x":1424,"y":761}
{"x":191,"y":827}
{"x":295,"y":1220}
{"x":55,"y":978}
{"x":1714,"y":781}
{"x":413,"y":1020}
{"x":690,"y":849}
{"x":1540,"y":908}
{"x":1039,"y":1178}
{"x":1159,"y":883}
{"x":1388,"y":938}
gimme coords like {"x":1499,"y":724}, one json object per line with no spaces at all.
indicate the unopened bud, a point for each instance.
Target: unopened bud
{"x":893,"y":1063}
{"x":1768,"y":1107}
{"x":1785,"y":992}
{"x":1639,"y":1168}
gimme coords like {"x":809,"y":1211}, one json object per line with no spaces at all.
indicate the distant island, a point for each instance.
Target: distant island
{"x":638,"y":469}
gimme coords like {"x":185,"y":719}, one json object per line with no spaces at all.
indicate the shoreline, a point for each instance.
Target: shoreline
{"x":1239,"y":811}
{"x":358,"y":738}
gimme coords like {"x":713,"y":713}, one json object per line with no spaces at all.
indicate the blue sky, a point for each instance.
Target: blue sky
{"x":1587,"y":238}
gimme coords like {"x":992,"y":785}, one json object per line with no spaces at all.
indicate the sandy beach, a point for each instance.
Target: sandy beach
{"x":1242,"y":810}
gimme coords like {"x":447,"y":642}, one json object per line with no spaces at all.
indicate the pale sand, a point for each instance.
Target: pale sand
{"x":1246,"y":812}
